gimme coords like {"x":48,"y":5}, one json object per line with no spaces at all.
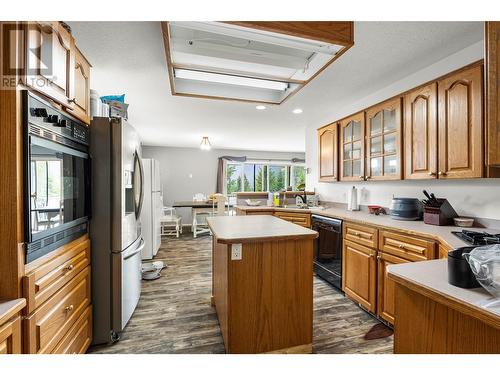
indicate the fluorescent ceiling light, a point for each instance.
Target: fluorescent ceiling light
{"x":261,"y":107}
{"x":230,"y":79}
{"x":297,"y":111}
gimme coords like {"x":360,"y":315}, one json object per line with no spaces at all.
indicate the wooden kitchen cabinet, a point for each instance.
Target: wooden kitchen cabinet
{"x":51,"y":321}
{"x":328,"y":153}
{"x":461,"y":145}
{"x":81,"y":87}
{"x":352,"y":147}
{"x":49,"y":60}
{"x":383,"y":141}
{"x":405,"y":246}
{"x":10,"y":337}
{"x":299,"y":218}
{"x":421,"y":133}
{"x":385,"y":286}
{"x":492,"y":115}
{"x":359,"y":269}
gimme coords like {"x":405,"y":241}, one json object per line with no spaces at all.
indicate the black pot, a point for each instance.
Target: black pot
{"x":406,"y":209}
{"x":459,"y":272}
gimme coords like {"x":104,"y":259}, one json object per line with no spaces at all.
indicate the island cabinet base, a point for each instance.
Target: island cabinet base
{"x":264,"y":297}
{"x":425,"y":326}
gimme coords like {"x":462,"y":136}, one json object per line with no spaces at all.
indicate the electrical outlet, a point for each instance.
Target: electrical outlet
{"x":236,"y":251}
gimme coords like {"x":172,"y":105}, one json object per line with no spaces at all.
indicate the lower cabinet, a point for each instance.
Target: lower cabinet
{"x":385,"y":287}
{"x":79,"y":337}
{"x":10,"y":337}
{"x":48,"y":324}
{"x":303,"y":219}
{"x":365,"y":261}
{"x":359,"y":268}
{"x":58,"y":290}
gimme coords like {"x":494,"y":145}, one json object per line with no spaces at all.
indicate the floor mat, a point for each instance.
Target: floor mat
{"x":378,"y":331}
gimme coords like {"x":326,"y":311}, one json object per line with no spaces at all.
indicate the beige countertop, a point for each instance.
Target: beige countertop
{"x":430,"y":278}
{"x":419,"y":228}
{"x":242,"y":229}
{"x":8,"y":308}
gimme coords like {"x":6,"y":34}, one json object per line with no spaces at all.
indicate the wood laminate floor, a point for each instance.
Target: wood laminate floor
{"x":174,"y":313}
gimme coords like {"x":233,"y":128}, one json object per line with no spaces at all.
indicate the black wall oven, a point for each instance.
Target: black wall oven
{"x":328,"y":249}
{"x":56,"y":176}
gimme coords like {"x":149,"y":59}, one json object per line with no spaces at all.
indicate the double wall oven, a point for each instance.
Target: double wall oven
{"x":56,"y":176}
{"x":328,"y":249}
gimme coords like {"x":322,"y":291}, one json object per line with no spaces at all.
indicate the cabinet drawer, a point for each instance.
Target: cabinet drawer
{"x":10,"y":337}
{"x":362,"y":234}
{"x":44,"y":280}
{"x":406,"y":247}
{"x":50,"y":322}
{"x":259,"y":213}
{"x":79,"y":337}
{"x":303,"y":219}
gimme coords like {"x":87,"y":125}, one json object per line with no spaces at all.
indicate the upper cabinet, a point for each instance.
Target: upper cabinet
{"x":352,"y":147}
{"x":383,"y":141}
{"x":460,"y":124}
{"x":327,"y":149}
{"x":56,"y":68}
{"x":420,"y":128}
{"x":49,"y":60}
{"x":81,"y":87}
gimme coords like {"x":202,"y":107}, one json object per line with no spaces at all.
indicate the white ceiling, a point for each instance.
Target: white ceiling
{"x":128,"y":57}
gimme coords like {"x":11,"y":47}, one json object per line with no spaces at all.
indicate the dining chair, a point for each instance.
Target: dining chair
{"x":170,"y":223}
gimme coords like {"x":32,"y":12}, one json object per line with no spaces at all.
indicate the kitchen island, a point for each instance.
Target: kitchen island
{"x":434,"y":317}
{"x":262,"y":283}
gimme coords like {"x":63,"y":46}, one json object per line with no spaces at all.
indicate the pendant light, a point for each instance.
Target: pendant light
{"x":205,"y":144}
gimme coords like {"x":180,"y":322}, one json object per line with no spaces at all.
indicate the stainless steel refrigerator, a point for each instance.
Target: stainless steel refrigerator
{"x":115,"y":226}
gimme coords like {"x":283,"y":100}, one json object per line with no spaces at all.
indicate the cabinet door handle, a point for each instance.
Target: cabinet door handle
{"x":70,"y":268}
{"x":68,"y":308}
{"x":379,"y":257}
{"x":441,"y":173}
{"x":361,"y":177}
{"x":432,"y":173}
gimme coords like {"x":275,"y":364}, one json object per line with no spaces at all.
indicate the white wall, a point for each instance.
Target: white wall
{"x":187,"y":171}
{"x":479,"y":197}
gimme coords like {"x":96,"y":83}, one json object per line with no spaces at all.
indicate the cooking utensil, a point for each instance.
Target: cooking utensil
{"x":459,"y":271}
{"x":434,"y":199}
{"x":427,"y":195}
{"x":406,"y":209}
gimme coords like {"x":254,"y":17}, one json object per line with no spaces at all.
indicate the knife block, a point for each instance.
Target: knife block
{"x":441,"y":215}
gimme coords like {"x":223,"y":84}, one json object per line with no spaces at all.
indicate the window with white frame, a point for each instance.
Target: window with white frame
{"x":263,"y":176}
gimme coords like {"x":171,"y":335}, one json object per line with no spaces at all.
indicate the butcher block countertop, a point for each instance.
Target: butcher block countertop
{"x":258,"y":228}
{"x":418,"y":228}
{"x":8,"y":308}
{"x":430,"y":278}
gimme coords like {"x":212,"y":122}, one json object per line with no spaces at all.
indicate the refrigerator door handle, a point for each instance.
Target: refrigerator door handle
{"x":137,"y":250}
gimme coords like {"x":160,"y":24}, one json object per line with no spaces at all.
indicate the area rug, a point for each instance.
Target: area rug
{"x":378,"y":331}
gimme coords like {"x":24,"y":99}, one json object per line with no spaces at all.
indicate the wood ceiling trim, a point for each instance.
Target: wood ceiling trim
{"x":335,"y":32}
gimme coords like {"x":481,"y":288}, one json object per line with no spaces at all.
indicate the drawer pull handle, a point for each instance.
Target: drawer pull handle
{"x":68,"y":308}
{"x":70,"y":268}
{"x":402,"y":246}
{"x":357,"y":234}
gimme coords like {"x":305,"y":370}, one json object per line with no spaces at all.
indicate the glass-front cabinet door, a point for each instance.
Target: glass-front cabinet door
{"x":352,"y":147}
{"x":383,"y":141}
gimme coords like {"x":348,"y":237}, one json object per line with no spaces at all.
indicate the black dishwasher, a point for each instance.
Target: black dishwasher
{"x":328,"y":249}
